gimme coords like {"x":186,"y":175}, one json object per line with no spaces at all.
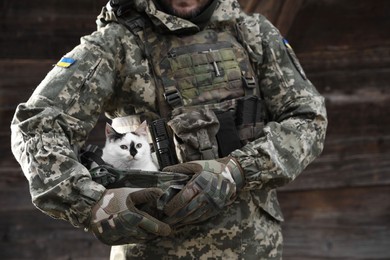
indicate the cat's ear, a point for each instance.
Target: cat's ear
{"x":142,"y":129}
{"x":110,"y":132}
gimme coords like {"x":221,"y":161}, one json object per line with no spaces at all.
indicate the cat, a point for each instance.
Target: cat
{"x":129,"y":150}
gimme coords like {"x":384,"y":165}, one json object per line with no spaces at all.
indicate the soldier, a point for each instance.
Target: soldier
{"x":246,"y":120}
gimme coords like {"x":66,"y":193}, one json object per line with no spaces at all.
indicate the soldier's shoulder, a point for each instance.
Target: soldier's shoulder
{"x":253,"y":18}
{"x":110,"y":38}
{"x":259,"y":23}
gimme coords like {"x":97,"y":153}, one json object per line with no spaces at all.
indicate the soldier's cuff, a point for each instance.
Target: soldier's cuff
{"x":90,"y":193}
{"x":237,"y":173}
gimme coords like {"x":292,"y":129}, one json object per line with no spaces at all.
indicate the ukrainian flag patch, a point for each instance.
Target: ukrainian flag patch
{"x":287,"y":44}
{"x":65,"y":62}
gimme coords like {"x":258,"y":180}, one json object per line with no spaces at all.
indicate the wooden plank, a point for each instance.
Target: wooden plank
{"x":287,"y":15}
{"x":336,"y":243}
{"x":46,"y":44}
{"x":20,"y":72}
{"x":15,"y":191}
{"x":348,"y":24}
{"x":269,"y":8}
{"x":335,"y":172}
{"x":337,"y":223}
{"x":44,"y":7}
{"x":30,"y":234}
{"x":57,"y":32}
{"x":345,"y":59}
{"x":351,"y":86}
{"x":358,"y":115}
{"x":332,"y":207}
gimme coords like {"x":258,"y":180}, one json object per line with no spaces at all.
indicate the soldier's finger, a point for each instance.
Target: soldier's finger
{"x":182,"y":199}
{"x":200,"y":214}
{"x":154,"y":226}
{"x":144,"y":196}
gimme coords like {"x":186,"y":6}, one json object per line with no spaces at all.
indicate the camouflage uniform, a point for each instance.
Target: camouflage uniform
{"x":108,"y":73}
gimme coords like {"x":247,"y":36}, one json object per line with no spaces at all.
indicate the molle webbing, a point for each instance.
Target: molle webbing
{"x":207,"y":67}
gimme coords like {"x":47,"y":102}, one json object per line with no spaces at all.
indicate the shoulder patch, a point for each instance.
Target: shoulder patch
{"x":65,"y":62}
{"x":287,"y":44}
{"x":294,"y":59}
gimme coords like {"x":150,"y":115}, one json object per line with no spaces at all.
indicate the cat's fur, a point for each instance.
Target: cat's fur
{"x":130,"y":150}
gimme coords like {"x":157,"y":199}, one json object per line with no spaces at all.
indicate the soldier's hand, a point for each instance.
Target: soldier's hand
{"x":116,"y":219}
{"x":213,"y":186}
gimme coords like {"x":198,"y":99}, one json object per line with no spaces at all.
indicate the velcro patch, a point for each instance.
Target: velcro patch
{"x":65,"y":62}
{"x":287,"y":44}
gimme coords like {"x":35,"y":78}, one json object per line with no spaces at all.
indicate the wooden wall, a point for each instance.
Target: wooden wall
{"x":339,"y":208}
{"x":34,"y":35}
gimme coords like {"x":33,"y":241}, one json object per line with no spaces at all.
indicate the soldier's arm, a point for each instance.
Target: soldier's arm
{"x":49,"y":129}
{"x":295,"y":133}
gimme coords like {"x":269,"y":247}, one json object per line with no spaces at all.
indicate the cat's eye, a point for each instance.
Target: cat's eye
{"x":124,"y":147}
{"x":138,"y":146}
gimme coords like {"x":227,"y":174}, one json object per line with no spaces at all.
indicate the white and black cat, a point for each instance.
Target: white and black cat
{"x":129,"y":150}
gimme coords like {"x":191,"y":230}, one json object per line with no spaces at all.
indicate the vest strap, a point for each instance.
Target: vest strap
{"x":205,"y":146}
{"x":91,"y":154}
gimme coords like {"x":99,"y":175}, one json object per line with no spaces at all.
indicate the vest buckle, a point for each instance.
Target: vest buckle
{"x":173,"y":98}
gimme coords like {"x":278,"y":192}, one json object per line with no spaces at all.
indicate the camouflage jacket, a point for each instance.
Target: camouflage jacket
{"x":107,"y":73}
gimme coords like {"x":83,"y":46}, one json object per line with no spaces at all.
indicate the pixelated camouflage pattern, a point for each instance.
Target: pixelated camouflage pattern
{"x":110,"y":74}
{"x":195,"y":145}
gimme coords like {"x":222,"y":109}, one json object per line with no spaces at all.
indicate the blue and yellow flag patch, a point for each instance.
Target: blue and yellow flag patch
{"x":287,"y":44}
{"x":65,"y":62}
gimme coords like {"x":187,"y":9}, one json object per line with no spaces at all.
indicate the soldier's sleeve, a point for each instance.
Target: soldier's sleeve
{"x":49,"y":129}
{"x":295,"y":133}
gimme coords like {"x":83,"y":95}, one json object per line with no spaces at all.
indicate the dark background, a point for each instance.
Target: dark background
{"x":339,"y":208}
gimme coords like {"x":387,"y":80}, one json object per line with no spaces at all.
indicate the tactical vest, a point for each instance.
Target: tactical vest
{"x":206,"y":88}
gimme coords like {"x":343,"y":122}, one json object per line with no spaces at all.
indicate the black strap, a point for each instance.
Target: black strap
{"x":168,"y":96}
{"x":121,"y":7}
{"x":91,"y":154}
{"x":227,"y":136}
{"x":250,"y":110}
